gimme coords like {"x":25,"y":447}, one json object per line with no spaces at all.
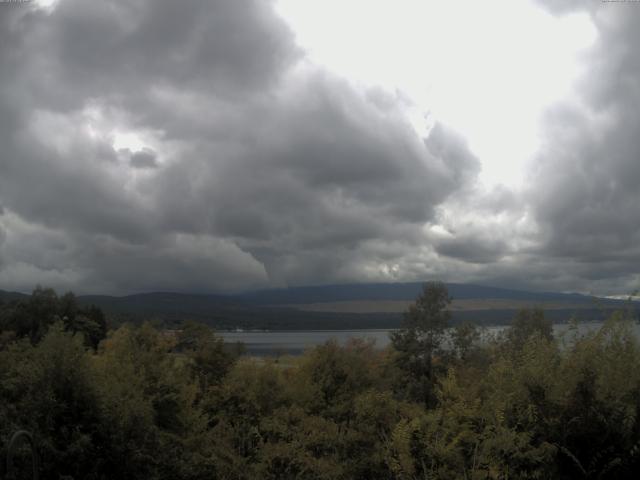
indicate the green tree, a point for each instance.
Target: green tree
{"x":49,"y":390}
{"x":529,"y":322}
{"x":32,"y":317}
{"x":464,"y":338}
{"x":88,"y":321}
{"x":209,"y":359}
{"x":420,"y":339}
{"x":331,"y":376}
{"x":151,"y":425}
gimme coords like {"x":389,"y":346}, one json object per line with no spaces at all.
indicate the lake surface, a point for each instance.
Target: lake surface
{"x":260,"y":343}
{"x":296,"y":342}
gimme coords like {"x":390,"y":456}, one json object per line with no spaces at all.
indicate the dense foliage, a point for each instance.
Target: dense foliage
{"x":442,"y":404}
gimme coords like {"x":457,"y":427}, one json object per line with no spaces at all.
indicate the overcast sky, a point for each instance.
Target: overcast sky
{"x":222,"y":145}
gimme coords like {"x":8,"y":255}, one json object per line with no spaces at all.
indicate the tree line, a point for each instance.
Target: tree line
{"x":141,"y":402}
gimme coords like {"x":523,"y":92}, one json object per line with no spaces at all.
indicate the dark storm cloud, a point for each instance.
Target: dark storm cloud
{"x":112,"y":52}
{"x":585,"y":184}
{"x":55,"y":174}
{"x":3,"y":238}
{"x":116,"y":48}
{"x":472,"y":248}
{"x":331,"y":171}
{"x":258,"y":170}
{"x":145,"y":158}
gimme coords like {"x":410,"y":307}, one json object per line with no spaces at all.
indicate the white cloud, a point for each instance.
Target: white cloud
{"x":487,"y":69}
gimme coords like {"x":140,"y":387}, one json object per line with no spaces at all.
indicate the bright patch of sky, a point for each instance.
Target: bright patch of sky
{"x":46,"y":3}
{"x":488,"y":69}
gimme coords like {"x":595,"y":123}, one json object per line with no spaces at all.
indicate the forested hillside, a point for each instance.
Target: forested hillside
{"x":153,"y":404}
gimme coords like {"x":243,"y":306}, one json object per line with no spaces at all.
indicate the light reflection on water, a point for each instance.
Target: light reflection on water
{"x":295,"y":342}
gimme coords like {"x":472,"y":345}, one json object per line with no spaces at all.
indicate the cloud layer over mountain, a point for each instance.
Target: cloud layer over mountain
{"x":192,"y":146}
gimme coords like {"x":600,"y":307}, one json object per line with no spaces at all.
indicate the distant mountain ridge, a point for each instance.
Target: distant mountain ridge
{"x":396,"y":291}
{"x":374,"y":305}
{"x":6,"y":296}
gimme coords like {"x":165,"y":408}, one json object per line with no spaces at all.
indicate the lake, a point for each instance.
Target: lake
{"x":261,"y":343}
{"x":296,"y":342}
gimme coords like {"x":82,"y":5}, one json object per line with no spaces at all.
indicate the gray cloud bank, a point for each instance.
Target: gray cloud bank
{"x":585,"y":181}
{"x":253,"y":168}
{"x":259,"y":169}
